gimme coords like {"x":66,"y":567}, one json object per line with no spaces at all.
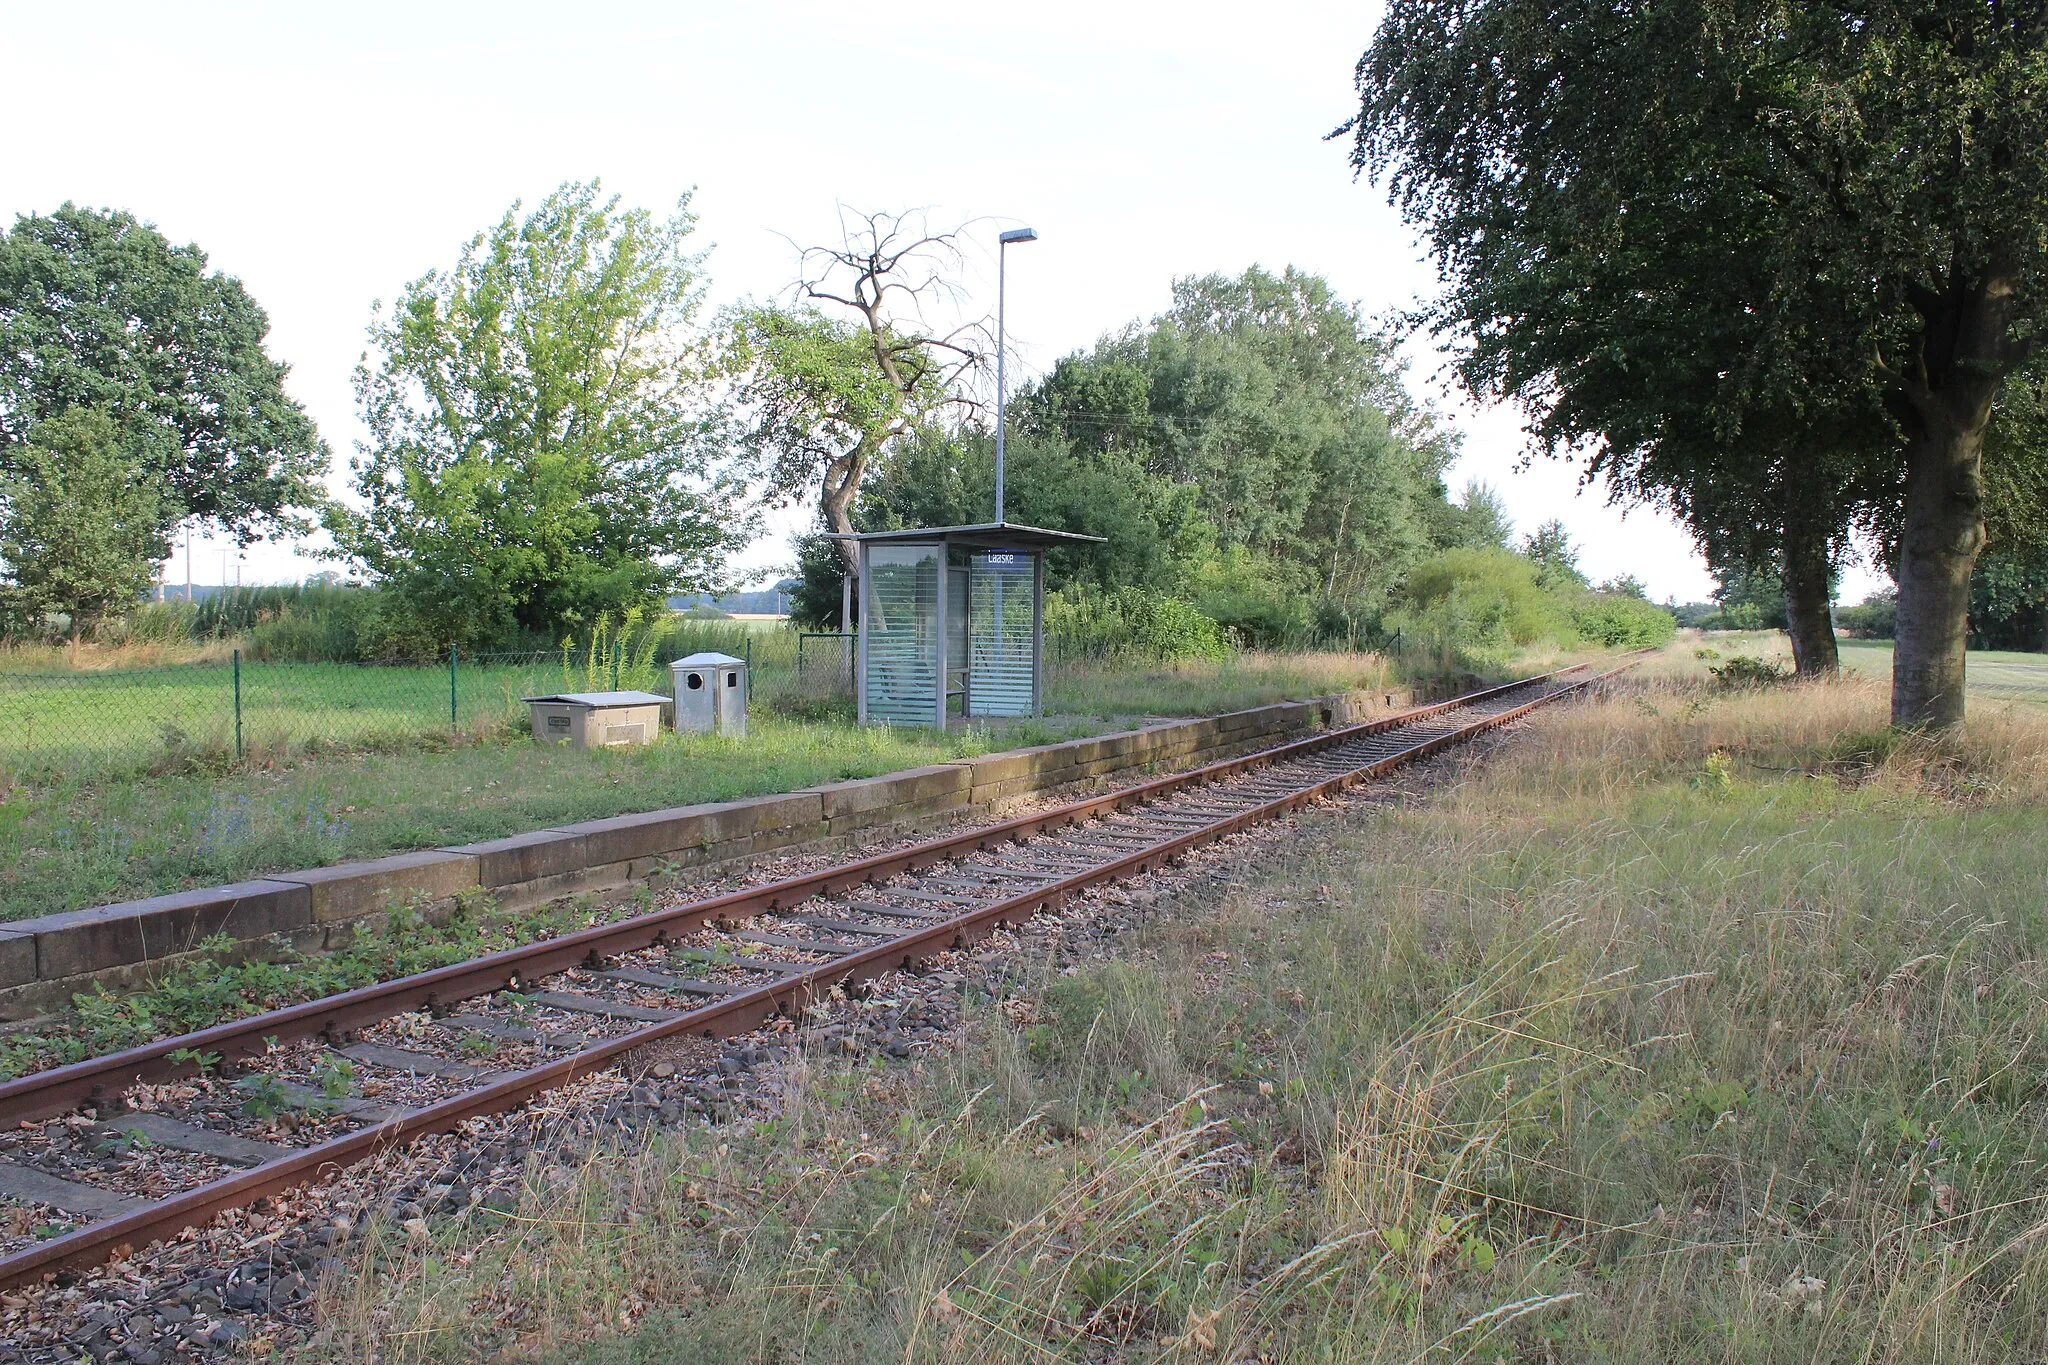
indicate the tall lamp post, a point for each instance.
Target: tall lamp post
{"x":1002,"y":262}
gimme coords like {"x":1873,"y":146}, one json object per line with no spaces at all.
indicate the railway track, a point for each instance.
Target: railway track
{"x":120,"y":1151}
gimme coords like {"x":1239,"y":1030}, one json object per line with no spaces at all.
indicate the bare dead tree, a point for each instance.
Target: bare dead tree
{"x":857,"y":361}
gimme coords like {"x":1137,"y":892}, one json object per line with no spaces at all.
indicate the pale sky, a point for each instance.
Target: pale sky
{"x":328,"y":154}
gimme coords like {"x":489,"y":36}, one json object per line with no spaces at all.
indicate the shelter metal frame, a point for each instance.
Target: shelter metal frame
{"x":915,"y":638}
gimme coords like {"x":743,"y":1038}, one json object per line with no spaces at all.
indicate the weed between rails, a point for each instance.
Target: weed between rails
{"x":221,"y":982}
{"x":1579,"y":1059}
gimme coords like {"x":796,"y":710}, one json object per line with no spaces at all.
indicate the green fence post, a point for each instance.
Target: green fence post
{"x":238,"y":706}
{"x":453,"y":725}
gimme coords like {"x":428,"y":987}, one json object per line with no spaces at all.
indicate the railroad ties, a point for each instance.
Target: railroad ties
{"x":331,"y":1082}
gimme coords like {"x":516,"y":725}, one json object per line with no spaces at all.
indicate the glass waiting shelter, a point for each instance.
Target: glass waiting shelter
{"x":952,"y":622}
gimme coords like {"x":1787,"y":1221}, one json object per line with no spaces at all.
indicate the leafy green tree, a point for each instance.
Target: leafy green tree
{"x":1478,"y":520}
{"x":1284,"y":416}
{"x":1751,"y":594}
{"x":538,"y":454}
{"x":820,"y":572}
{"x":1626,"y":585}
{"x":81,"y":526}
{"x":98,"y":310}
{"x":1771,"y":218}
{"x":1150,"y":526}
{"x":1549,"y":547}
{"x":2009,"y":590}
{"x":827,"y":395}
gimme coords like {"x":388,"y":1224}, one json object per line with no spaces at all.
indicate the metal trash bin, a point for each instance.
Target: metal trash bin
{"x":595,"y":720}
{"x":711,"y":694}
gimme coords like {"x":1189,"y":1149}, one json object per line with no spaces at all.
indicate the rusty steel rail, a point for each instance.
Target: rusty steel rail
{"x":64,"y":1088}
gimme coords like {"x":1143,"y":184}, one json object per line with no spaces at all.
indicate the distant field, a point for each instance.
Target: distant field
{"x":1994,"y":675}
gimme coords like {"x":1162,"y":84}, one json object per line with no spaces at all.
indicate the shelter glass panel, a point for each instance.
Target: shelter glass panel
{"x":1000,"y":609}
{"x":901,"y":624}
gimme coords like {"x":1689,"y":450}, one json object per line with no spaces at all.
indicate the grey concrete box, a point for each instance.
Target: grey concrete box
{"x":710,"y":694}
{"x":596,"y":720}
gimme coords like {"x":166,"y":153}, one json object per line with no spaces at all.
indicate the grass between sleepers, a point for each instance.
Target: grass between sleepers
{"x":1694,"y":1026}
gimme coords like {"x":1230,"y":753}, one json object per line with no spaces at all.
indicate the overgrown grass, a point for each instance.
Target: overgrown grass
{"x":87,"y":840}
{"x":1194,"y":687}
{"x":1199,"y":687}
{"x":1698,"y":1025}
{"x":88,"y":834}
{"x":1996,"y":677}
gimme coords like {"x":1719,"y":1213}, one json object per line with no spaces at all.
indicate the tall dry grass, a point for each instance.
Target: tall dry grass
{"x":1693,"y":1026}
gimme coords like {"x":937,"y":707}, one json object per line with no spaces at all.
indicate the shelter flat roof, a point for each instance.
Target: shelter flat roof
{"x":993,"y":535}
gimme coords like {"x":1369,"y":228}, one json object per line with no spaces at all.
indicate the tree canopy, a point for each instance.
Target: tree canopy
{"x":1281,"y":417}
{"x":538,"y":456}
{"x":825,"y":394}
{"x":99,"y":311}
{"x":1748,"y":253}
{"x":80,"y":524}
{"x":1250,"y":450}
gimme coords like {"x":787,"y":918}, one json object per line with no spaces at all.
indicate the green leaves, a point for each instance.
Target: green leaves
{"x":81,"y":520}
{"x":99,"y":311}
{"x":539,"y":415}
{"x":1766,"y":266}
{"x":814,"y":392}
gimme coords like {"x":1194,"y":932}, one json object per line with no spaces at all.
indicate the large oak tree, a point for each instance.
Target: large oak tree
{"x":1769,"y":218}
{"x":99,"y":311}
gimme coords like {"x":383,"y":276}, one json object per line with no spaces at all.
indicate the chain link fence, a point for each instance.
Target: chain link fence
{"x":236,"y":709}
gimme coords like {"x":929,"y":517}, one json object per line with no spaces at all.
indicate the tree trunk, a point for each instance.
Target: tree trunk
{"x":842,"y":482}
{"x":1944,"y":530}
{"x":1807,"y":599}
{"x":837,"y":505}
{"x":1961,"y":358}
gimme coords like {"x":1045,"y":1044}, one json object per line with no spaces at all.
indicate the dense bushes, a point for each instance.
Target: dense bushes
{"x":1871,"y":619}
{"x":1619,"y":621}
{"x":1479,"y":598}
{"x":1260,"y":602}
{"x":314,"y":622}
{"x":1485,"y":601}
{"x":1091,"y":622}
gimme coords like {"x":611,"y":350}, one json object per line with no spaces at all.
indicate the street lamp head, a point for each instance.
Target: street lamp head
{"x":1018,"y":235}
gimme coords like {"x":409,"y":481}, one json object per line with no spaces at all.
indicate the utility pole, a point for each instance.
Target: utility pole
{"x":1003,"y":241}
